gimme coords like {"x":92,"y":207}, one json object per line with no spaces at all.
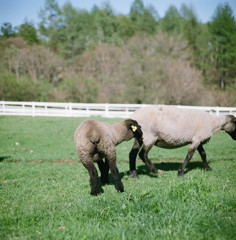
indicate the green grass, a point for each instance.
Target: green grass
{"x":44,"y":189}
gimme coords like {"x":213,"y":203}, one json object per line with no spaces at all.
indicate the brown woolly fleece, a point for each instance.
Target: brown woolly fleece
{"x":96,"y":140}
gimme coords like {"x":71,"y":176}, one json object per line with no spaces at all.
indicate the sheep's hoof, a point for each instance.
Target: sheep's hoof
{"x":94,"y":193}
{"x":153,"y":174}
{"x":134,"y":174}
{"x":208,"y":169}
{"x":121,"y":190}
{"x":104,"y":182}
{"x":180,"y":174}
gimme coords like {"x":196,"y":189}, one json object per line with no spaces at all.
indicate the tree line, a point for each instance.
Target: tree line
{"x":100,"y":56}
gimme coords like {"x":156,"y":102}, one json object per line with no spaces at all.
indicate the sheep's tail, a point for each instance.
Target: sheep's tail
{"x":94,"y":137}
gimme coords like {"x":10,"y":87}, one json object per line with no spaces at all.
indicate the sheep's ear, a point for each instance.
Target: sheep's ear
{"x":134,"y":128}
{"x":233,"y":118}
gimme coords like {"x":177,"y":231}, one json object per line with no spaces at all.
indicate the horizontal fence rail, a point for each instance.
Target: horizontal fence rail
{"x":50,"y":109}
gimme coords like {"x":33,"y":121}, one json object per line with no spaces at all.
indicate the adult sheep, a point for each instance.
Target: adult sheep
{"x":96,"y":140}
{"x":173,"y":127}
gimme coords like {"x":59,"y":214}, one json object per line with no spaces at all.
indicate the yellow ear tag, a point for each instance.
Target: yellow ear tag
{"x":134,"y":128}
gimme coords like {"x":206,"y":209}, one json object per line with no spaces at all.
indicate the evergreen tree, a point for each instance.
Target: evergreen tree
{"x":50,"y":25}
{"x":223,"y":42}
{"x":190,"y":24}
{"x":126,"y":27}
{"x":7,"y":30}
{"x":171,"y":21}
{"x":77,"y":33}
{"x":105,"y":23}
{"x":28,"y":32}
{"x":83,"y":29}
{"x":145,"y":19}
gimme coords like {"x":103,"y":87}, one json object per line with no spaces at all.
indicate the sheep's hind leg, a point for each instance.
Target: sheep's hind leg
{"x":89,"y":165}
{"x":104,"y":169}
{"x":203,"y":156}
{"x":144,"y":156}
{"x":187,"y":159}
{"x":111,"y":159}
{"x":132,"y":159}
{"x":115,"y":173}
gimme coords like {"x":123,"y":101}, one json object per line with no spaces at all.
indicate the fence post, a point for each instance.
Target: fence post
{"x":87,"y":110}
{"x":4,"y":108}
{"x":70,"y":109}
{"x":45,"y":110}
{"x":106,"y":110}
{"x":23,"y":106}
{"x":33,"y":109}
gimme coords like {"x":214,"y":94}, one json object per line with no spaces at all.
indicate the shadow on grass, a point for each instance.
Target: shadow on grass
{"x":4,"y":158}
{"x":169,"y":166}
{"x":163,"y":166}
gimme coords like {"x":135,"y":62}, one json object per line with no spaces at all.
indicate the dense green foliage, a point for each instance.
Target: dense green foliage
{"x":44,"y":189}
{"x":101,"y":56}
{"x":223,"y":29}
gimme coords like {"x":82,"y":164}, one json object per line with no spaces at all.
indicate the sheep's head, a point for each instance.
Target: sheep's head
{"x":134,"y":129}
{"x":230,"y":127}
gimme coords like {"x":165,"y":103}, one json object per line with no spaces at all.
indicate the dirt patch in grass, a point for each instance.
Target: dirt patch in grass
{"x":45,"y":161}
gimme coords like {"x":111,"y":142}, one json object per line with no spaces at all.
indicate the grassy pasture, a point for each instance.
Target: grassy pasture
{"x":44,"y":189}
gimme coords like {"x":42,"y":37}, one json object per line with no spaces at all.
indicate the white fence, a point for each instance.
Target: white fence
{"x":86,"y":109}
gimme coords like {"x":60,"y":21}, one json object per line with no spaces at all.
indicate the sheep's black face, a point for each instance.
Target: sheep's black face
{"x":233,"y":126}
{"x":233,"y":134}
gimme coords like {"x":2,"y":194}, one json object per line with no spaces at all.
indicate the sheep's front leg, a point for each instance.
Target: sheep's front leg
{"x":132,"y":158}
{"x":111,"y":159}
{"x":144,"y":156}
{"x":187,"y":159}
{"x":203,"y":156}
{"x":104,"y":169}
{"x":89,"y":165}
